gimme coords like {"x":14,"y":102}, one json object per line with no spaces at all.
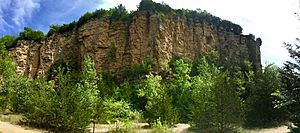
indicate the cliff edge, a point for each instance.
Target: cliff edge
{"x":116,"y":44}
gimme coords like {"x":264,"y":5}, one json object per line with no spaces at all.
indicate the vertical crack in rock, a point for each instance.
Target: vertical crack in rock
{"x":117,"y":45}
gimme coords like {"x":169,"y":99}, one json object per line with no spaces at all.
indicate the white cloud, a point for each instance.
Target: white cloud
{"x":24,"y":9}
{"x":4,"y":24}
{"x":3,"y":6}
{"x":14,"y":12}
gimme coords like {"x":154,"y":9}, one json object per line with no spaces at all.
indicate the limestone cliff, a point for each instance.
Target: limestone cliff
{"x":117,"y":45}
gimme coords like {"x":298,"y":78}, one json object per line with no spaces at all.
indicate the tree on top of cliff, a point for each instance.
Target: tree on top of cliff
{"x":149,"y":5}
{"x":31,"y":35}
{"x":120,"y":13}
{"x":198,"y":15}
{"x":7,"y":41}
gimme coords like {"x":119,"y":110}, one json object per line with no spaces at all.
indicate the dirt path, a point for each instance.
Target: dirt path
{"x":6,"y":127}
{"x":281,"y":129}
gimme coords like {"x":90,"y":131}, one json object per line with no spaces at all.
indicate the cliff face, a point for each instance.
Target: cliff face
{"x":117,"y":45}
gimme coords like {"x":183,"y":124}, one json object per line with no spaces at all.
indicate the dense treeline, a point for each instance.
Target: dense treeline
{"x":208,"y":95}
{"x":120,"y":13}
{"x":28,"y":34}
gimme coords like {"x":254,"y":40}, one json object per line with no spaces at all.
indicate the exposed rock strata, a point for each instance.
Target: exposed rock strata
{"x":116,"y":45}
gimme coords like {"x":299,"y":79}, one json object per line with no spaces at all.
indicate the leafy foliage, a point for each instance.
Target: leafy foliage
{"x":62,"y":28}
{"x":7,"y":41}
{"x":7,"y":76}
{"x":149,"y":5}
{"x":90,"y":16}
{"x":260,"y":105}
{"x":159,"y":102}
{"x":206,"y":93}
{"x":216,"y":105}
{"x":31,"y":35}
{"x":163,"y":9}
{"x":290,"y":93}
{"x":114,"y":111}
{"x":68,"y":108}
{"x":180,"y":88}
{"x":120,"y":13}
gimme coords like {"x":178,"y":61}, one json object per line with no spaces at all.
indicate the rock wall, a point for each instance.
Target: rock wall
{"x":117,"y":45}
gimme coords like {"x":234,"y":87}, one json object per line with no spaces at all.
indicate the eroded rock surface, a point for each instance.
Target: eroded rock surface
{"x":117,"y":45}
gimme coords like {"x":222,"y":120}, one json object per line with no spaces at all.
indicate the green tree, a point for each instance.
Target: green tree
{"x":8,"y":41}
{"x":216,"y":104}
{"x":68,"y":108}
{"x":7,"y":75}
{"x":180,"y":88}
{"x":29,"y":34}
{"x":159,"y":102}
{"x":260,"y":105}
{"x":290,"y":92}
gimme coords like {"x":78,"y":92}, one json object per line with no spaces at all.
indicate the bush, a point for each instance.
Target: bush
{"x":90,"y":16}
{"x":158,"y":127}
{"x":31,"y":35}
{"x":42,"y":104}
{"x":260,"y":105}
{"x":289,"y":94}
{"x":215,"y":107}
{"x":180,"y":88}
{"x":7,"y":77}
{"x":18,"y":88}
{"x":8,"y":41}
{"x":68,"y":108}
{"x":159,"y":102}
{"x":114,"y":111}
{"x":149,"y":5}
{"x":118,"y":13}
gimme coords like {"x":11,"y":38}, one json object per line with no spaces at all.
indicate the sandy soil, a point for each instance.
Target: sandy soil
{"x":281,"y":129}
{"x":6,"y":127}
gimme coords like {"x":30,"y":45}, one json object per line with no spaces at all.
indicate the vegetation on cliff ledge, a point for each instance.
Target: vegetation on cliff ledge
{"x":120,"y":13}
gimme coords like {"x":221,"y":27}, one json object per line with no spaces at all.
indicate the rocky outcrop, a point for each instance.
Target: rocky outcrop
{"x":117,"y":45}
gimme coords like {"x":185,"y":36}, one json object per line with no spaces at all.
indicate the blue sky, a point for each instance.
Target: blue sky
{"x":40,"y":14}
{"x":272,"y":20}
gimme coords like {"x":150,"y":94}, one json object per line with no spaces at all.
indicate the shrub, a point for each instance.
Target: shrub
{"x":53,"y":29}
{"x":31,"y":35}
{"x":180,"y":88}
{"x":8,"y":41}
{"x":149,"y":5}
{"x":289,"y":93}
{"x":7,"y":76}
{"x":215,"y":107}
{"x":114,"y":111}
{"x":260,"y":105}
{"x":159,"y":102}
{"x":68,"y":108}
{"x":42,"y":104}
{"x":112,"y":49}
{"x":18,"y":88}
{"x":118,"y":13}
{"x":158,"y":127}
{"x":62,"y":28}
{"x":90,"y":16}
